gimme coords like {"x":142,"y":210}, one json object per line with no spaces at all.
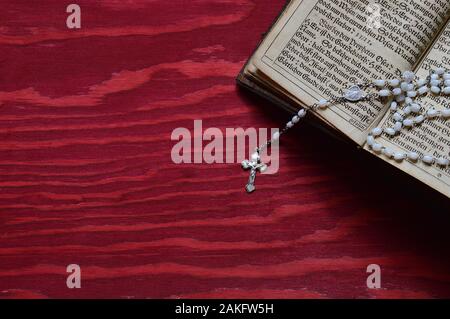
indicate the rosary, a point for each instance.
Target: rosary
{"x":404,"y":92}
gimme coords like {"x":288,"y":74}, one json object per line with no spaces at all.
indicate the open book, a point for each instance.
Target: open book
{"x":317,"y":47}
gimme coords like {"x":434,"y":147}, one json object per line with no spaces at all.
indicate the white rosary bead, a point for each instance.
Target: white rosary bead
{"x":388,"y":152}
{"x":432,"y":113}
{"x":389,"y":131}
{"x":411,"y":93}
{"x":397,"y":117}
{"x":394,"y":106}
{"x":397,"y":91}
{"x":435,"y":82}
{"x":428,"y":159}
{"x":423,"y":90}
{"x":379,"y":83}
{"x":435,"y":89}
{"x":413,"y":156}
{"x":398,"y":126}
{"x":276,"y":136}
{"x":415,"y":108}
{"x":408,"y":100}
{"x":407,"y":110}
{"x":440,"y":71}
{"x":446,"y":76}
{"x":377,"y":131}
{"x":399,"y":156}
{"x":408,"y":123}
{"x":394,"y":82}
{"x":434,"y":76}
{"x":404,"y":86}
{"x":446,"y":90}
{"x":384,"y":93}
{"x":445,"y":113}
{"x":421,"y":82}
{"x":419,"y":119}
{"x":295,"y":119}
{"x":447,"y":83}
{"x":289,"y":124}
{"x":370,"y":140}
{"x":301,"y":113}
{"x":377,"y":147}
{"x":408,"y":76}
{"x":323,"y":104}
{"x":442,"y":161}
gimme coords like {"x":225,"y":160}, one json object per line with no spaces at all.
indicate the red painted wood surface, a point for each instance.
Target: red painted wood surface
{"x":86,"y":175}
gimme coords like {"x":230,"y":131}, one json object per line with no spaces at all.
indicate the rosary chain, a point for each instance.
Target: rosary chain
{"x":406,"y":91}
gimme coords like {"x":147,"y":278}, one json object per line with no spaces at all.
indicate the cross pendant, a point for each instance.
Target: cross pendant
{"x":254,"y":165}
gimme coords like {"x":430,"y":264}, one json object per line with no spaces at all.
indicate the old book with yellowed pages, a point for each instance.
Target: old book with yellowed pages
{"x":316,"y":47}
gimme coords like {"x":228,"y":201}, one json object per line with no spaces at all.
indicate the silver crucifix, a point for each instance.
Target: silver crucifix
{"x":255,"y":165}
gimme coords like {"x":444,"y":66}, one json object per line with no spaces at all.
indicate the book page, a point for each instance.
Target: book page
{"x":318,"y":47}
{"x":432,"y":137}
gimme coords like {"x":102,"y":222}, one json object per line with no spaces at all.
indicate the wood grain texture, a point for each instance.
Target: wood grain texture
{"x":86,"y":175}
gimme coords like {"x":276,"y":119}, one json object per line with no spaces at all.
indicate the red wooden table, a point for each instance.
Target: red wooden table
{"x":86,"y":175}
